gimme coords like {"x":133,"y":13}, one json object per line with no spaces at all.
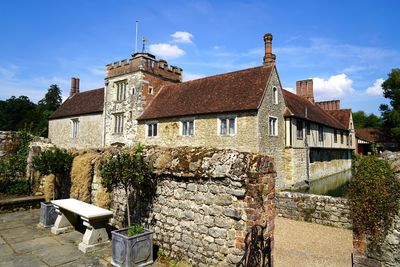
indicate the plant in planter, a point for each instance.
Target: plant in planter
{"x":132,"y":246}
{"x":56,"y":165}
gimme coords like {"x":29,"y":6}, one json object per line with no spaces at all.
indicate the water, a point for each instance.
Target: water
{"x":335,"y":185}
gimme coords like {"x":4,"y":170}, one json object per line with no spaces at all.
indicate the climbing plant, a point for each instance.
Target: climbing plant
{"x":374,"y":195}
{"x":127,"y":171}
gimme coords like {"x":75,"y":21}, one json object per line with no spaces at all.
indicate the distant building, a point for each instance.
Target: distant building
{"x":145,"y":100}
{"x":374,"y":140}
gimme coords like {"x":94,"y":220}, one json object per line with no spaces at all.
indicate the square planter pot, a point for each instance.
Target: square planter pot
{"x":135,"y":251}
{"x":48,"y":214}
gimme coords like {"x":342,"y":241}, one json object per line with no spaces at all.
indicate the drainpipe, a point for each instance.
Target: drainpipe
{"x":307,"y":152}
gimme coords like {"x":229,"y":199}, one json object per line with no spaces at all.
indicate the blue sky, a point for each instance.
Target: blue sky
{"x":348,"y":47}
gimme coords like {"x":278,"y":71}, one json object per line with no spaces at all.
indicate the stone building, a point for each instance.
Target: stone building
{"x":145,"y":100}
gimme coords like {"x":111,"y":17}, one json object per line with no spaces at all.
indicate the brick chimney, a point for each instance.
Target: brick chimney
{"x":329,"y":105}
{"x":304,"y":88}
{"x":269,"y":58}
{"x":74,"y":86}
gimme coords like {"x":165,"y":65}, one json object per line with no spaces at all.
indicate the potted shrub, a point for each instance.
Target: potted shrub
{"x":132,"y":246}
{"x":56,"y":165}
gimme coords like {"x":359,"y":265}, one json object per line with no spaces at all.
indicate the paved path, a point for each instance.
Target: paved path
{"x":303,"y":244}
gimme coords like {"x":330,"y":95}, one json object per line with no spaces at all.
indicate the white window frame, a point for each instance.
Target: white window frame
{"x":74,"y":128}
{"x":152,"y":124}
{"x":150,"y":90}
{"x":228,"y":120}
{"x":187,"y":121}
{"x":119,"y":119}
{"x":121,"y":90}
{"x":275,"y":95}
{"x":270,"y":119}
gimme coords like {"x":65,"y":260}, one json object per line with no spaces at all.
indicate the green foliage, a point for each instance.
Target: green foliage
{"x":13,"y":166}
{"x":135,"y":229}
{"x":18,"y":113}
{"x":127,"y":171}
{"x":391,"y":115}
{"x":361,"y":120}
{"x":59,"y":163}
{"x":374,"y":195}
{"x":18,"y":187}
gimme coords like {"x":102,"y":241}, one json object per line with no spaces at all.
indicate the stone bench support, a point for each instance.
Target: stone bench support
{"x":95,"y":220}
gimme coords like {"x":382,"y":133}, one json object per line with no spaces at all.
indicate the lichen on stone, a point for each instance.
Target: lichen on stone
{"x":49,"y":181}
{"x":82,"y":176}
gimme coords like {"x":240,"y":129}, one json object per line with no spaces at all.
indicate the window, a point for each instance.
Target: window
{"x":227,"y":126}
{"x":187,"y":127}
{"x":335,"y":135}
{"x":347,"y":139}
{"x":320,"y":133}
{"x":299,"y":124}
{"x":341,"y":137}
{"x":118,"y":123}
{"x":150,"y":90}
{"x":275,"y":95}
{"x":308,"y":127}
{"x":74,"y":128}
{"x":152,"y":130}
{"x":273,"y":126}
{"x":121,"y":90}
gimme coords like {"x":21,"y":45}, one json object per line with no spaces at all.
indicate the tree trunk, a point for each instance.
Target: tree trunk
{"x":128,"y":207}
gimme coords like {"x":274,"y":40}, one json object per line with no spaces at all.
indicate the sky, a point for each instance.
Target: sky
{"x":347,"y":47}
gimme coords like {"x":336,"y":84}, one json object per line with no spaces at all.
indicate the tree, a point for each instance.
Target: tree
{"x":127,"y":171}
{"x":15,"y":113}
{"x":52,"y":99}
{"x":361,"y":120}
{"x":391,"y":115}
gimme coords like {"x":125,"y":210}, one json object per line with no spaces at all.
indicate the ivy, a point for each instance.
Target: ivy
{"x":374,"y":196}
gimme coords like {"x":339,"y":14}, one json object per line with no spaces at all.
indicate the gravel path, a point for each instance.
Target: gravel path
{"x":310,"y":245}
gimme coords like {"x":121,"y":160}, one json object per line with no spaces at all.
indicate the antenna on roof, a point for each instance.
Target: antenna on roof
{"x":137,"y":30}
{"x":144,"y":40}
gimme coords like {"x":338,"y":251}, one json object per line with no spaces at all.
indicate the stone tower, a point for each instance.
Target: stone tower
{"x":129,"y":86}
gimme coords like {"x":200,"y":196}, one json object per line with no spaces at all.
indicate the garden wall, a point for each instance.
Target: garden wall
{"x":387,"y":253}
{"x":324,"y":210}
{"x":6,"y":142}
{"x":204,"y":201}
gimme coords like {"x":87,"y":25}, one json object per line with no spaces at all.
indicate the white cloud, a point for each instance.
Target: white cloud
{"x":182,"y":37}
{"x":290,"y":89}
{"x":166,"y":50}
{"x":376,"y":88}
{"x":187,"y":76}
{"x":336,"y":86}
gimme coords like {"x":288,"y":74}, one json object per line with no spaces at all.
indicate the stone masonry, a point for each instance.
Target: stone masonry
{"x":6,"y":142}
{"x":324,"y":210}
{"x":205,"y":202}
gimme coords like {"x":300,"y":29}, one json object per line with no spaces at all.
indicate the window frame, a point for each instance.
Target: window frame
{"x":298,"y":135}
{"x":74,"y":128}
{"x":275,"y":96}
{"x":187,"y":121}
{"x":276,"y":127}
{"x":341,"y":137}
{"x":335,"y":136}
{"x":121,"y":89}
{"x":320,"y":133}
{"x":228,"y":119}
{"x":152,"y":124}
{"x":119,"y":123}
{"x":308,"y":127}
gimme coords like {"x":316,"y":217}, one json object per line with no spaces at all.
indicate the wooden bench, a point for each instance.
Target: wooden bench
{"x":94,"y":218}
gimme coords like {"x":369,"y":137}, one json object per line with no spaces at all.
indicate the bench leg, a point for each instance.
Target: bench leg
{"x":63,"y":222}
{"x":95,"y":236}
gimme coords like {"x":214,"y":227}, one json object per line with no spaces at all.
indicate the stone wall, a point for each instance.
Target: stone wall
{"x":89,"y":131}
{"x":205,"y":202}
{"x":6,"y":142}
{"x":386,"y":253}
{"x":314,"y":208}
{"x":206,"y":133}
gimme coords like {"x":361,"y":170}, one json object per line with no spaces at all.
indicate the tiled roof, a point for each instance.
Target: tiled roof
{"x":372,"y":135}
{"x":342,"y":115}
{"x":87,"y":102}
{"x":229,"y":92}
{"x":300,"y":107}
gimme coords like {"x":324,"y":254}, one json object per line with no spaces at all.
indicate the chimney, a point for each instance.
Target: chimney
{"x":74,"y":86}
{"x":269,"y":58}
{"x":305,"y":89}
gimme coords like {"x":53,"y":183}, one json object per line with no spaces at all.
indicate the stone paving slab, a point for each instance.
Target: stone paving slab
{"x":26,"y":260}
{"x":57,"y":255}
{"x":35,"y":244}
{"x":5,"y":250}
{"x":20,"y":234}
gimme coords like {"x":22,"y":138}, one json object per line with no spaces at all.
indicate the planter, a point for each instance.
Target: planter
{"x":135,"y":251}
{"x":48,"y":214}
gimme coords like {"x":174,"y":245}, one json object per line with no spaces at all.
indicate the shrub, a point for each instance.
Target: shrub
{"x":135,"y":230}
{"x":57,"y":162}
{"x":374,"y":195}
{"x":126,"y":171}
{"x":18,"y":187}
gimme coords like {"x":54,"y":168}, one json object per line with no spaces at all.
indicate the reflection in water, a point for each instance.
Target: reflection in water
{"x":334,"y":185}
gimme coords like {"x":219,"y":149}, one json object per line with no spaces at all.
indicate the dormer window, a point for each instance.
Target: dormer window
{"x":275,"y":95}
{"x":121,"y":90}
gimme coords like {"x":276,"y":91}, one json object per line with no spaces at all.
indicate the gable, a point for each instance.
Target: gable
{"x":230,"y":92}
